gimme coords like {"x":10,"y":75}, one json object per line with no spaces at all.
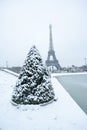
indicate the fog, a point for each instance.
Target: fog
{"x":24,"y":23}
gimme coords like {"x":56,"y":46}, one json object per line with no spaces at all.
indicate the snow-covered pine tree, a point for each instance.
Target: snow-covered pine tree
{"x":34,"y":82}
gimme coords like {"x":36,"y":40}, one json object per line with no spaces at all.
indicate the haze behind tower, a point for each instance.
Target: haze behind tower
{"x":24,"y":23}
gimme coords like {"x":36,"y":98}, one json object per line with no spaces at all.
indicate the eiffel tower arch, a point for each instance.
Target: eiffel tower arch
{"x":51,"y":54}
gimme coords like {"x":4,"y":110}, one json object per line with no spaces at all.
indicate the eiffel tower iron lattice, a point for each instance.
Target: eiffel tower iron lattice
{"x":51,"y":53}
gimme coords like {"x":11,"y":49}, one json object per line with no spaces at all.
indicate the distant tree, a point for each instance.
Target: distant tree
{"x":34,"y":82}
{"x":15,"y":69}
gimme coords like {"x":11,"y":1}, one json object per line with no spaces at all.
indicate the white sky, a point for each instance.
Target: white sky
{"x":24,"y":23}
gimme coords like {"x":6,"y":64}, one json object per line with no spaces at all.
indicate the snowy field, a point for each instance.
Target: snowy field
{"x":63,"y":114}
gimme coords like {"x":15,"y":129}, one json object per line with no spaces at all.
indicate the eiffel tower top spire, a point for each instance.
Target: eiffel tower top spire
{"x":51,"y":40}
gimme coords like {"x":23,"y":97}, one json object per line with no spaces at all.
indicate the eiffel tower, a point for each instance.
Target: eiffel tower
{"x":51,"y":53}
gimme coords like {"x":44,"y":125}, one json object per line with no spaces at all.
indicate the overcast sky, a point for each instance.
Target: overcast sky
{"x":24,"y":23}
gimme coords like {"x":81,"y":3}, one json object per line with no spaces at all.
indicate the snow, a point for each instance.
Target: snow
{"x":63,"y":114}
{"x":10,"y":72}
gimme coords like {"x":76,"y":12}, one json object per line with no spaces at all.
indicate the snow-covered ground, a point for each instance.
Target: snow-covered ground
{"x":10,"y":72}
{"x":63,"y":114}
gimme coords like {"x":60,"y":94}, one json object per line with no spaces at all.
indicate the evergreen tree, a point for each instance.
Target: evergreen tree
{"x":34,"y":83}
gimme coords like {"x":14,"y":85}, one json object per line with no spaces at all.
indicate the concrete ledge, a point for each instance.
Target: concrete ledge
{"x":10,"y":72}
